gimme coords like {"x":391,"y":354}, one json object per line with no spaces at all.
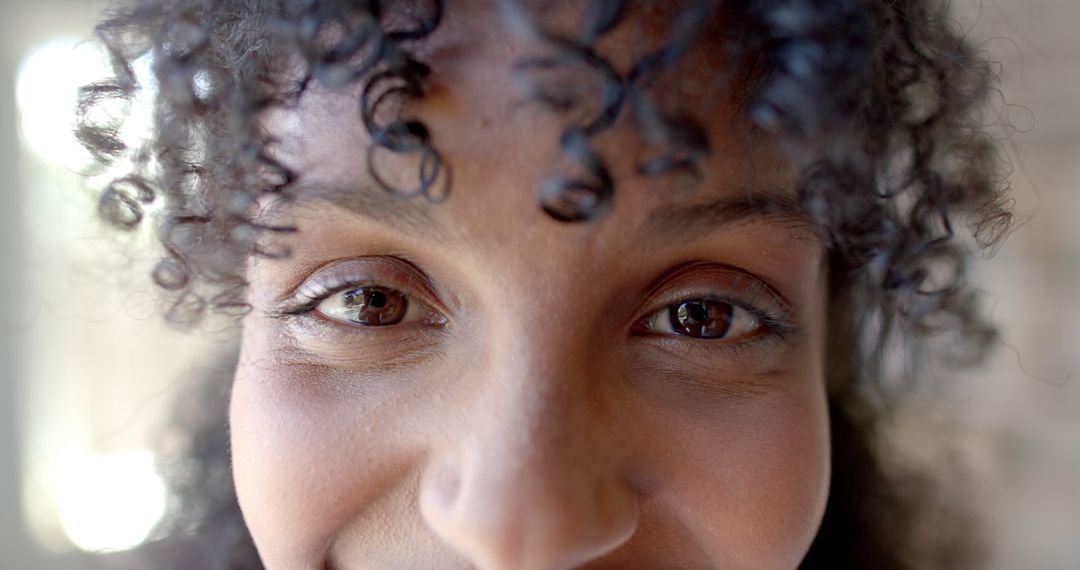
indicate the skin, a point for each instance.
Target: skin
{"x":527,"y":415}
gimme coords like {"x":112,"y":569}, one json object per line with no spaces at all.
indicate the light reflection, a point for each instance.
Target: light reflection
{"x":110,"y":502}
{"x":46,"y":91}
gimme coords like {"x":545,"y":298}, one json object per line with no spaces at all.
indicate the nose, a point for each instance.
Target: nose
{"x":532,"y":482}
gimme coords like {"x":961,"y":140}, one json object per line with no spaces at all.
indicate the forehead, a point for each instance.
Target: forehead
{"x":500,"y":147}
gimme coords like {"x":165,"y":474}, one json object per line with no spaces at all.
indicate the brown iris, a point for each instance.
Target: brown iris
{"x":375,"y":306}
{"x":701,"y":318}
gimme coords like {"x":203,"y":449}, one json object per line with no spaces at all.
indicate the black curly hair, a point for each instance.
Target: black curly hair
{"x":877,"y":103}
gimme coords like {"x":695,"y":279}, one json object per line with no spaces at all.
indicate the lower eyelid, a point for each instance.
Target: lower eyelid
{"x":758,"y":348}
{"x":316,"y":341}
{"x":321,"y":331}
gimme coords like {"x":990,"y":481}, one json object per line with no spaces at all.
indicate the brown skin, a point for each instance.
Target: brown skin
{"x":529,"y":412}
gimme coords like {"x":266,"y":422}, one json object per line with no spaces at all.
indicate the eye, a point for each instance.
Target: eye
{"x":704,"y":319}
{"x":370,"y":306}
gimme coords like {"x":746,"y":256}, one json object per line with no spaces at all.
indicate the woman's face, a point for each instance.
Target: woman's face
{"x":475,"y":385}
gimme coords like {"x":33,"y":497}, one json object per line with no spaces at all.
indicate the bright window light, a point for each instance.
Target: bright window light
{"x":110,"y":502}
{"x":46,"y":91}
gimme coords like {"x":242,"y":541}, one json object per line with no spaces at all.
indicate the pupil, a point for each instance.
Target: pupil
{"x":697,"y":311}
{"x":376,"y":306}
{"x":701,"y":319}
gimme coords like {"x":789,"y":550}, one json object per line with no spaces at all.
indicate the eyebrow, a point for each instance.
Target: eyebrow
{"x":409,"y":214}
{"x":684,"y":222}
{"x":692,"y":221}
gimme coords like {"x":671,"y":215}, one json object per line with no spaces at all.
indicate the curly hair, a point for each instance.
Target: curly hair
{"x":877,"y":103}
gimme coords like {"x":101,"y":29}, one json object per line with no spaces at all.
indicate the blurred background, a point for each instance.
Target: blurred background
{"x":89,"y":372}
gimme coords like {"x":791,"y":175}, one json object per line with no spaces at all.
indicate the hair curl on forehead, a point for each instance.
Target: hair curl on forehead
{"x":876,"y":103}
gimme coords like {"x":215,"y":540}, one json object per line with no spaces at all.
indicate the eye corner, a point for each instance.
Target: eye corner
{"x":641,"y":326}
{"x":290,"y":308}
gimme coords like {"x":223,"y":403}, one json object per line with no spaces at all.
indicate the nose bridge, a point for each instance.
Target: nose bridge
{"x":538,"y":403}
{"x":531,"y":481}
{"x":538,"y":372}
{"x":539,"y":382}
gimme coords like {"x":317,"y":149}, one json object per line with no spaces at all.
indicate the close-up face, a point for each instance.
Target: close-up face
{"x":475,"y":384}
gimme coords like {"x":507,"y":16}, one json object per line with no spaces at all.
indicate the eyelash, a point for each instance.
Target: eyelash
{"x":775,"y":321}
{"x":312,"y":295}
{"x":309,"y":301}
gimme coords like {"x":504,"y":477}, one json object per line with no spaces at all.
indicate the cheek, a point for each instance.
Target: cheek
{"x":751,"y":482}
{"x":311,"y":450}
